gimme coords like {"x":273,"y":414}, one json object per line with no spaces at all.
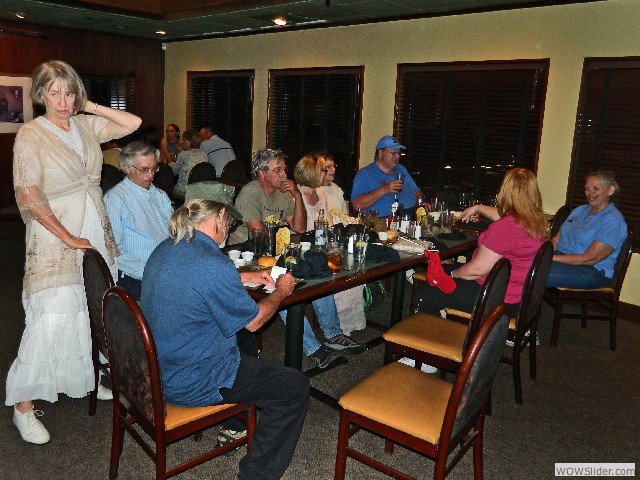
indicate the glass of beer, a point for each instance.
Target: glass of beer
{"x":334,"y":257}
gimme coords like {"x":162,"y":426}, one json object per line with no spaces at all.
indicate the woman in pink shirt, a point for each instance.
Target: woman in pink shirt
{"x":517,"y":230}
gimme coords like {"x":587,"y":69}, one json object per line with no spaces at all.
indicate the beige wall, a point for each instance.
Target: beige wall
{"x":564,"y":34}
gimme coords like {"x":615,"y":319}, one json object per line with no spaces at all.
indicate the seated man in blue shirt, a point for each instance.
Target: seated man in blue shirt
{"x":375,"y":186}
{"x":195,"y":334}
{"x":139,"y":214}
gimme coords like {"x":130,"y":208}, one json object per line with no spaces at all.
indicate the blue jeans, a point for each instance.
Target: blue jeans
{"x":328,"y":320}
{"x":576,"y":276}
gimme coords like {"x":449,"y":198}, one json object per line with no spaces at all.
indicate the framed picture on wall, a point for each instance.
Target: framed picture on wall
{"x":16,"y":108}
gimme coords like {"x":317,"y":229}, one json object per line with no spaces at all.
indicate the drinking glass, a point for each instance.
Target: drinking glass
{"x":400,"y":176}
{"x":256,"y":241}
{"x":360,"y":246}
{"x":446,"y":218}
{"x":334,"y":257}
{"x":371,"y":219}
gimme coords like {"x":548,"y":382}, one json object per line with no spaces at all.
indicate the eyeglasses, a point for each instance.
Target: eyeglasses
{"x":277,"y":170}
{"x":147,"y":170}
{"x":326,"y":169}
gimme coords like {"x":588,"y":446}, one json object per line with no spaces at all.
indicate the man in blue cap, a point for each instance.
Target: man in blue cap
{"x":376,"y":186}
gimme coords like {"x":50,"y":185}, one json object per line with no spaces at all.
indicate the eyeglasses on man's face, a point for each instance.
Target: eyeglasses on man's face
{"x":147,"y":170}
{"x":277,"y":170}
{"x":392,"y":152}
{"x":328,"y":168}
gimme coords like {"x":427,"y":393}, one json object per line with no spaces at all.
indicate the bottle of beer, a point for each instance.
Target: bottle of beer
{"x":395,"y":215}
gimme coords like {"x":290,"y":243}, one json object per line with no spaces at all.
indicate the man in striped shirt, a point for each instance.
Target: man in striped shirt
{"x":139,"y":214}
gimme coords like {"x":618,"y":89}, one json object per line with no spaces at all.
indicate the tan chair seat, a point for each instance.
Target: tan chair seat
{"x":384,"y":397}
{"x":429,"y":333}
{"x":420,"y":276}
{"x":178,"y":416}
{"x":603,"y":289}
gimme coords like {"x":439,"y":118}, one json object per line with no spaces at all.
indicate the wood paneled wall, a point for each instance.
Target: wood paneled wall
{"x":89,"y":53}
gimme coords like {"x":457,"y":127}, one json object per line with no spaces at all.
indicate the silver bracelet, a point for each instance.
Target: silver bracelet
{"x":95,"y":108}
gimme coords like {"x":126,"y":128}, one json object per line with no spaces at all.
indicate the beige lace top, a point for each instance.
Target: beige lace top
{"x":51,"y":179}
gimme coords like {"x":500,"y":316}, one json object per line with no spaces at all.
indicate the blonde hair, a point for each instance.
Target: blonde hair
{"x":520,"y":197}
{"x":308,"y":171}
{"x":193,"y":213}
{"x":47,"y":73}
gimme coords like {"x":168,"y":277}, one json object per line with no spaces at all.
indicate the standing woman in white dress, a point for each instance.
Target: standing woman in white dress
{"x":56,"y":170}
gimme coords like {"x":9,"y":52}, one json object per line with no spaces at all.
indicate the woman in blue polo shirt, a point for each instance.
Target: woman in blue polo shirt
{"x":589,"y":241}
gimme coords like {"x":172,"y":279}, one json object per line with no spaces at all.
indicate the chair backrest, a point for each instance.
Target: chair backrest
{"x":164,"y":179}
{"x":110,"y":176}
{"x":622,"y":262}
{"x":475,"y":375}
{"x":234,"y":173}
{"x":135,"y":374}
{"x":97,"y":279}
{"x":202,"y":172}
{"x":534,"y":287}
{"x":558,"y":219}
{"x":491,"y":295}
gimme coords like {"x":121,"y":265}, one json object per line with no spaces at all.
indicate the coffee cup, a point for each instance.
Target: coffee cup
{"x":234,"y":254}
{"x":247,"y":256}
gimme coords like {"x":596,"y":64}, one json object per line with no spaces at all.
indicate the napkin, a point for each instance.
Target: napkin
{"x":313,"y":265}
{"x":380,"y":253}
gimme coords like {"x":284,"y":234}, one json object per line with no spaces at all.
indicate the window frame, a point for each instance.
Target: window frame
{"x":537,"y":69}
{"x":241,"y":146}
{"x":605,"y":132}
{"x":347,"y":164}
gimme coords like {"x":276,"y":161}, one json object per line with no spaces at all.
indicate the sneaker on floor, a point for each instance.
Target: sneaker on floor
{"x":104,"y":393}
{"x":345,"y":344}
{"x":323,"y":357}
{"x":510,"y":343}
{"x":412,"y":363}
{"x":31,"y":429}
{"x":227,"y":436}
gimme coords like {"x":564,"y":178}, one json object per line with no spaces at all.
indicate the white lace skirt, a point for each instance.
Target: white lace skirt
{"x":55,"y":351}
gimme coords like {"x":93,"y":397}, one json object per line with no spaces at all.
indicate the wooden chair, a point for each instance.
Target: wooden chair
{"x":523,"y":327}
{"x":234,"y":173}
{"x":424,"y":413}
{"x":97,"y":279}
{"x":138,"y":397}
{"x":606,"y":297}
{"x":558,"y":219}
{"x":442,"y":342}
{"x":164,"y":179}
{"x":202,"y":172}
{"x":110,"y":176}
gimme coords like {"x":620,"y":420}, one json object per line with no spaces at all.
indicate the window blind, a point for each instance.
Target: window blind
{"x":223,"y":100}
{"x":607,"y":131}
{"x":466,"y":124}
{"x":317,"y":109}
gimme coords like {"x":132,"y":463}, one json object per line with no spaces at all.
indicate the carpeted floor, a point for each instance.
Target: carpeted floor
{"x":583,"y":407}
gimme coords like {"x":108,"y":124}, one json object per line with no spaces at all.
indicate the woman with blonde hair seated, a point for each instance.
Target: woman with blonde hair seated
{"x":517,"y":231}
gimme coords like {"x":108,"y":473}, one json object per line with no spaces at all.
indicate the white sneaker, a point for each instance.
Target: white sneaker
{"x":104,"y":393}
{"x":510,"y":343}
{"x":412,"y":363}
{"x":31,"y":429}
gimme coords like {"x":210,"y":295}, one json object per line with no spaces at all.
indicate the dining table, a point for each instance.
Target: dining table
{"x":353,"y":274}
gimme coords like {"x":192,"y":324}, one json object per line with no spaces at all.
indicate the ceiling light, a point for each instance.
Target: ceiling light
{"x":161,"y":32}
{"x":280,"y":21}
{"x":20,"y":15}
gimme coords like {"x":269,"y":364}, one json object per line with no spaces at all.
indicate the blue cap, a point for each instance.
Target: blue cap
{"x":390,"y":142}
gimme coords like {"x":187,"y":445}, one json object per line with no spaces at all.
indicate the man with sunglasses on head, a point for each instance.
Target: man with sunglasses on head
{"x":271,"y":193}
{"x":139,"y":214}
{"x":377,"y":185}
